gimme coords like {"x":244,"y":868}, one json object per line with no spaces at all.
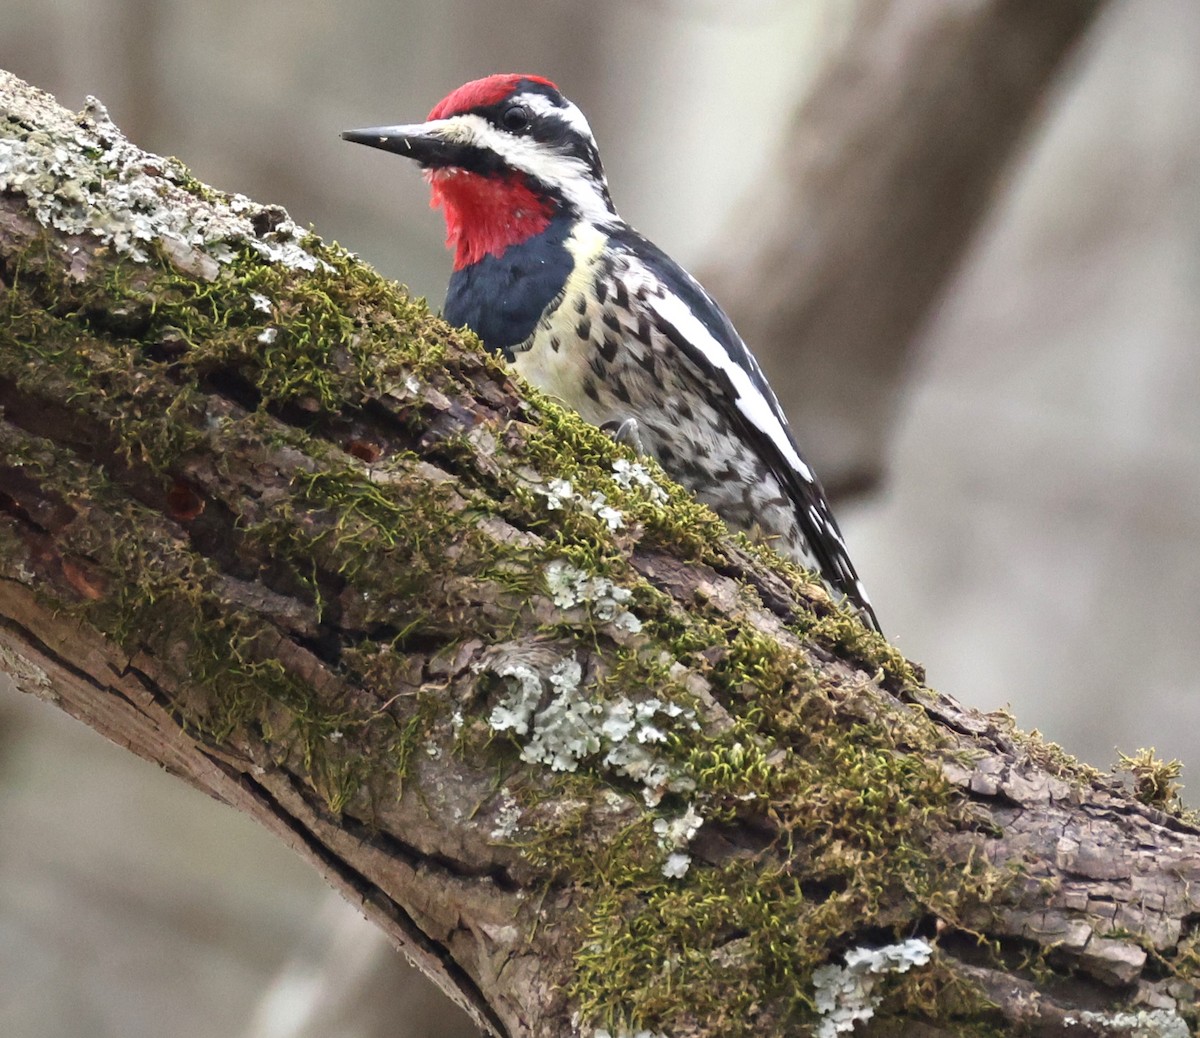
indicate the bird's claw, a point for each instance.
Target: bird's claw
{"x":626,"y":432}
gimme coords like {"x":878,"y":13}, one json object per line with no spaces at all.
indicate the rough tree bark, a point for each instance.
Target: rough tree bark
{"x":596,"y":765}
{"x":867,"y":208}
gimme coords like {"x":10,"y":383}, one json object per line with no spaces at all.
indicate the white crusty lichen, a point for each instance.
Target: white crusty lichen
{"x":508,"y":815}
{"x":845,"y":995}
{"x":676,"y":866}
{"x":604,"y":1032}
{"x":1152,"y":1023}
{"x":83,"y":176}
{"x":674,"y":834}
{"x":570,"y":586}
{"x":628,"y":474}
{"x":558,"y":492}
{"x":598,"y":505}
{"x":559,"y":723}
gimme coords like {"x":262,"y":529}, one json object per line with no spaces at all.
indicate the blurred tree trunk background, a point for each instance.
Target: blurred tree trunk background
{"x":1008,"y":367}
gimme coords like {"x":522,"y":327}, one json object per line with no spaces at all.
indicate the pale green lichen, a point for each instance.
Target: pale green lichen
{"x":561,"y":723}
{"x":849,"y":993}
{"x":677,"y":864}
{"x":571,"y":586}
{"x":99,"y":183}
{"x":603,"y":1032}
{"x":677,"y":832}
{"x":508,"y":817}
{"x":1145,"y":1023}
{"x":558,"y":492}
{"x":674,"y":834}
{"x":629,"y":474}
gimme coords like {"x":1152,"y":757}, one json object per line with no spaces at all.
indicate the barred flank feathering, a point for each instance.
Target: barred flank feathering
{"x":633,"y":336}
{"x":593,"y":313}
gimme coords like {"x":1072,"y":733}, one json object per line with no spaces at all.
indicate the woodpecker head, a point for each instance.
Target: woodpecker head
{"x":503,"y":156}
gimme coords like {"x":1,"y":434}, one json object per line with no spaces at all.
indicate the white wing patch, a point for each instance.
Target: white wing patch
{"x":750,"y":401}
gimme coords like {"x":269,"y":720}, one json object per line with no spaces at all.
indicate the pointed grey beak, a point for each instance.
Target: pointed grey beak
{"x":420,"y":141}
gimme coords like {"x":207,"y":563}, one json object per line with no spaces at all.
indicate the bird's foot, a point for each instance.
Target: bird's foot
{"x":625,"y":432}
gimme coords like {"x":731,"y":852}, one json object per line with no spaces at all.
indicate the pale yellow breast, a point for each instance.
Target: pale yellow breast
{"x":557,"y":359}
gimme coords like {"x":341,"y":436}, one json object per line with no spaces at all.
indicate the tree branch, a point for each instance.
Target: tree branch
{"x":592,"y":761}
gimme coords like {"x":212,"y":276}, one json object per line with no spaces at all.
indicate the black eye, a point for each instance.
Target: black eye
{"x":516,"y":118}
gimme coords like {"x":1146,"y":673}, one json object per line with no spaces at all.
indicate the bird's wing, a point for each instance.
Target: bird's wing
{"x":693,"y":322}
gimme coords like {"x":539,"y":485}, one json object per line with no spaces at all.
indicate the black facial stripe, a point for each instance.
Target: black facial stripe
{"x":548,"y":129}
{"x":488,"y":163}
{"x":480,"y":160}
{"x":556,"y":132}
{"x":483,"y":161}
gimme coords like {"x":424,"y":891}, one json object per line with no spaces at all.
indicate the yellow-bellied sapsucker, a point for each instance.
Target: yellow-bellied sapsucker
{"x":591,"y":312}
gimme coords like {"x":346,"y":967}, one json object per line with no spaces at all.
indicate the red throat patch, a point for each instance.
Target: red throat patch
{"x":485,"y":215}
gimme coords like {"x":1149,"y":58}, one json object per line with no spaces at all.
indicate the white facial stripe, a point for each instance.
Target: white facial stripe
{"x":561,"y":172}
{"x":461,"y":129}
{"x":750,"y":399}
{"x":540,"y":104}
